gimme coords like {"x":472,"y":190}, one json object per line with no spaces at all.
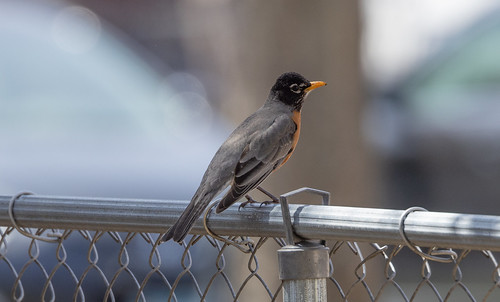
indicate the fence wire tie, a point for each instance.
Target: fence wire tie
{"x":50,"y":237}
{"x":428,"y":256}
{"x":244,"y":245}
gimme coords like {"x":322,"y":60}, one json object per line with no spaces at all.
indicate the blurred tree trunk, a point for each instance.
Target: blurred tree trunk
{"x":250,"y":43}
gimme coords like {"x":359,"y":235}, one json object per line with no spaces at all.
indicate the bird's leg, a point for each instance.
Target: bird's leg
{"x":249,"y":200}
{"x":274,"y":199}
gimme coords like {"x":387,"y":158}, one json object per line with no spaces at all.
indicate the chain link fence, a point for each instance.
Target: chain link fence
{"x":83,"y":249}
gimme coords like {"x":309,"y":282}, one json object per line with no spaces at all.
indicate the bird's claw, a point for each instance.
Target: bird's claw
{"x":249,"y":200}
{"x":267,"y":202}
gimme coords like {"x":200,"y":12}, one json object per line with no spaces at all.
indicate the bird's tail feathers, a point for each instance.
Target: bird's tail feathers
{"x":185,"y":222}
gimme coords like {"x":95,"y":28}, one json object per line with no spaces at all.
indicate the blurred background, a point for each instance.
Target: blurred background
{"x":131,"y":99}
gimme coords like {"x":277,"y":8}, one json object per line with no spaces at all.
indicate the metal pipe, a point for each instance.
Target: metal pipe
{"x":451,"y":230}
{"x":303,"y":269}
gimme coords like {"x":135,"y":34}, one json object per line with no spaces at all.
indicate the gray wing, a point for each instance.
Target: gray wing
{"x":263,"y":154}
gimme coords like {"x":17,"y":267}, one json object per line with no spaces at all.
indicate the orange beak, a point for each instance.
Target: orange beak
{"x":314,"y":85}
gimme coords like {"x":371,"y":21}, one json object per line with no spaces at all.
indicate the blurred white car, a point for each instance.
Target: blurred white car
{"x":83,"y":114}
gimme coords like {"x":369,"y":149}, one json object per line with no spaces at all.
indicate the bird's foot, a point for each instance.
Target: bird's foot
{"x":249,"y":200}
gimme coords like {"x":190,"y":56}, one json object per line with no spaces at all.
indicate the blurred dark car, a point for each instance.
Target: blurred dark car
{"x":81,"y":113}
{"x":438,"y":129}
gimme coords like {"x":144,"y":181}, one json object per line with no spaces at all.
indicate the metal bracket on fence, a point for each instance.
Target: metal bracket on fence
{"x":303,"y":265}
{"x":291,"y":236}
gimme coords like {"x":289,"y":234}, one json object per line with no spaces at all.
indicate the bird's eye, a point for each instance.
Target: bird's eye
{"x":295,"y":88}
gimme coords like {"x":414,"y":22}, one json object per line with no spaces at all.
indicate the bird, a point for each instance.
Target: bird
{"x":260,"y":145}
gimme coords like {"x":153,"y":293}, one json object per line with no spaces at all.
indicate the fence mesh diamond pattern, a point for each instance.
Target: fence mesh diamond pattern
{"x":112,"y":266}
{"x":40,"y":264}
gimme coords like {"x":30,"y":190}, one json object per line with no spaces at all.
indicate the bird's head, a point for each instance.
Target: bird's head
{"x":291,"y":88}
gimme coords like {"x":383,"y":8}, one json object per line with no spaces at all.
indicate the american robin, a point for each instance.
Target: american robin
{"x":256,"y":148}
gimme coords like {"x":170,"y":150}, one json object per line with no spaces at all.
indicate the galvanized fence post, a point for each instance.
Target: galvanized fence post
{"x":303,"y":265}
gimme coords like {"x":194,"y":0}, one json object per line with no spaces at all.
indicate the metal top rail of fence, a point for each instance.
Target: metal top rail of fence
{"x":95,"y":229}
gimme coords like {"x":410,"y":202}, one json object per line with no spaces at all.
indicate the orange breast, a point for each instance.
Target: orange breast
{"x":295,"y":139}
